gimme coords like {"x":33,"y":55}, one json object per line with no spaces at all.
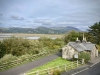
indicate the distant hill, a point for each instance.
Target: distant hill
{"x":66,"y":29}
{"x":39,"y":30}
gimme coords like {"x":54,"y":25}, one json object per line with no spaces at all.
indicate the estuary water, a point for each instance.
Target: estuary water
{"x":4,"y":36}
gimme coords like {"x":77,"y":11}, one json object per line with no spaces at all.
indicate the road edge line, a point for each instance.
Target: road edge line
{"x":85,"y":68}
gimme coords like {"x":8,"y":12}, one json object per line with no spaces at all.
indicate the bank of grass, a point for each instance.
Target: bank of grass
{"x":57,"y":62}
{"x":20,"y":64}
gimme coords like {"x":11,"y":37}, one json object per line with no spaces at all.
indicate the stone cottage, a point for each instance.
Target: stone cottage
{"x":74,"y":48}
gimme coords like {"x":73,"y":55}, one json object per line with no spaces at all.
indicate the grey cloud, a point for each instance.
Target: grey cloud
{"x":1,"y":22}
{"x":37,"y":21}
{"x":1,"y":14}
{"x":17,"y":18}
{"x":28,"y":21}
{"x":44,"y":21}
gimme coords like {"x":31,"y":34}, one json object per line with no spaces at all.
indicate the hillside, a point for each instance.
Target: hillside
{"x":39,"y":30}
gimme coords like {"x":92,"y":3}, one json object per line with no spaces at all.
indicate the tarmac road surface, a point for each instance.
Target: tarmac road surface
{"x":95,"y":70}
{"x":26,"y":67}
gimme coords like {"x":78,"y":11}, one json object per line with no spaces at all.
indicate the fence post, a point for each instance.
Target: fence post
{"x":58,"y":67}
{"x":48,"y":71}
{"x":82,"y":61}
{"x":72,"y":65}
{"x":65,"y":67}
{"x":77,"y":63}
{"x":37,"y":72}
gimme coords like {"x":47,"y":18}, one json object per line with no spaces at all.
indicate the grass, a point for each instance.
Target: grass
{"x":57,"y":62}
{"x":50,"y":67}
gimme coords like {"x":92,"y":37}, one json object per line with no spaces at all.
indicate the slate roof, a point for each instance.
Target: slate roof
{"x":82,"y":46}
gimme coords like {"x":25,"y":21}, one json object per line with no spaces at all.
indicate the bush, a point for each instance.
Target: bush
{"x":8,"y":58}
{"x":98,"y":48}
{"x":51,"y":44}
{"x":85,"y":56}
{"x":71,"y":36}
{"x":56,"y":72}
{"x":18,"y":46}
{"x":2,"y":49}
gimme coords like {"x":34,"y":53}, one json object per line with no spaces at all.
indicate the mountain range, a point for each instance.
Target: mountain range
{"x":39,"y":30}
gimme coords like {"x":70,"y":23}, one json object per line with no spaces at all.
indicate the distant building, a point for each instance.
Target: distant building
{"x":74,"y":48}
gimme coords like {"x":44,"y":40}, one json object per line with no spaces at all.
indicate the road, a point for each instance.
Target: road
{"x":26,"y":67}
{"x":95,"y":70}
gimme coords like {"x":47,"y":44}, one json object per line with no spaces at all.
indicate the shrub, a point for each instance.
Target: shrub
{"x":2,"y":49}
{"x":71,"y":36}
{"x":18,"y":46}
{"x":56,"y":72}
{"x":8,"y":58}
{"x":51,"y":43}
{"x":85,"y":56}
{"x":98,"y":48}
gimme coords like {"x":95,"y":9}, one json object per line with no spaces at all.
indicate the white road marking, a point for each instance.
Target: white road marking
{"x":80,"y":71}
{"x":85,"y":69}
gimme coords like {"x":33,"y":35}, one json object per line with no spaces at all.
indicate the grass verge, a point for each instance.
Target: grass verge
{"x":57,"y":62}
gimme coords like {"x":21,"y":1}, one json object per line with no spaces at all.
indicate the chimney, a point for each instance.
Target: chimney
{"x":83,"y":36}
{"x":77,"y":41}
{"x":84,"y":39}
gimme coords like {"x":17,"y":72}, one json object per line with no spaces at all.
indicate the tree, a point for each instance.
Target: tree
{"x":84,"y":55}
{"x":2,"y":49}
{"x":16,"y":46}
{"x":50,"y":44}
{"x":89,"y":37}
{"x":71,"y":36}
{"x":95,"y":31}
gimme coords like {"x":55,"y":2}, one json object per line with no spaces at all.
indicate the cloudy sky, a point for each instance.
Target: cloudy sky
{"x":49,"y":13}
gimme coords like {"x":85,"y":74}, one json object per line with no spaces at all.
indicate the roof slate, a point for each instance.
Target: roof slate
{"x":82,"y":46}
